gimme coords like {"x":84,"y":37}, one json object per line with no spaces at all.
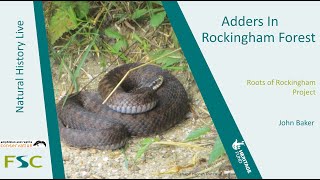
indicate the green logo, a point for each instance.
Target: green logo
{"x":24,"y":161}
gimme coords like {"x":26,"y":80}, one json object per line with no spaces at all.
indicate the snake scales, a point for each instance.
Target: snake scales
{"x":86,"y":123}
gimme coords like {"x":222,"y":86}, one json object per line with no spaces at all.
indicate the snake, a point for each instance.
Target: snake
{"x":150,"y":100}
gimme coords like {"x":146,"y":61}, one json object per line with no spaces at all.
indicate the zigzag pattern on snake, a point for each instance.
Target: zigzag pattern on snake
{"x":86,"y":123}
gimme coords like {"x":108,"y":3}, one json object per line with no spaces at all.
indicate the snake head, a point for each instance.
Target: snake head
{"x":156,"y":83}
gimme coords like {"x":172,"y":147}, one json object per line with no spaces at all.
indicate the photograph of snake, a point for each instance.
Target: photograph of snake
{"x":141,"y":106}
{"x":127,"y":103}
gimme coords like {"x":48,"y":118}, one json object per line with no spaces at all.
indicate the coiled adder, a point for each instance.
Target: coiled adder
{"x":150,"y":100}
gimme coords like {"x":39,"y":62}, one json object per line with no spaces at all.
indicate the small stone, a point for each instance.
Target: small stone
{"x":105,"y":159}
{"x":84,"y":174}
{"x":66,"y":158}
{"x":189,"y":115}
{"x":84,"y":153}
{"x":135,"y":168}
{"x":95,"y":177}
{"x":93,"y":151}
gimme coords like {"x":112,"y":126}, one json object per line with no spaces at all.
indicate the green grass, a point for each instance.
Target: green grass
{"x":111,"y":32}
{"x":193,"y":136}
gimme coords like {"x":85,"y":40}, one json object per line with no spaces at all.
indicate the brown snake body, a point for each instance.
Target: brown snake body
{"x":85,"y":122}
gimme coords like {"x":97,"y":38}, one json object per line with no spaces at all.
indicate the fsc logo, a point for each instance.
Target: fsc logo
{"x":24,"y":161}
